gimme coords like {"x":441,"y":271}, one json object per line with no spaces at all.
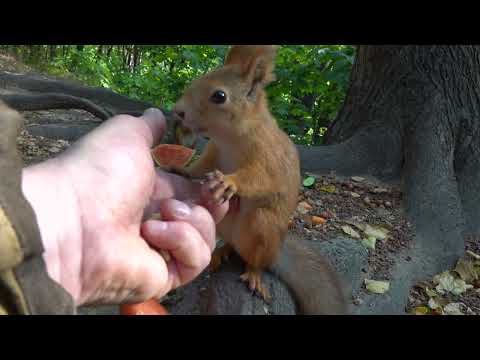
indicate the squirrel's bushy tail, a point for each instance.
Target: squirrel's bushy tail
{"x":316,"y":287}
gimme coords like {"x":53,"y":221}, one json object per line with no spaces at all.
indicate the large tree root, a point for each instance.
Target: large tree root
{"x":50,"y":101}
{"x":442,"y":195}
{"x":376,"y":152}
{"x":433,"y":201}
{"x":114,"y":103}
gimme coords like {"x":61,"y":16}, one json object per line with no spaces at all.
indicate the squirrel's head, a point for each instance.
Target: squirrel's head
{"x":225,"y":101}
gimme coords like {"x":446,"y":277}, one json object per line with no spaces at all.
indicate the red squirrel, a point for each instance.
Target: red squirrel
{"x":250,"y":159}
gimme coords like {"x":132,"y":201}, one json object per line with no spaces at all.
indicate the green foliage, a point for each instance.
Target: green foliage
{"x":309,"y":91}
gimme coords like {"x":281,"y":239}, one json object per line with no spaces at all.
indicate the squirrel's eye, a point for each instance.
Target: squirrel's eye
{"x":218,"y":97}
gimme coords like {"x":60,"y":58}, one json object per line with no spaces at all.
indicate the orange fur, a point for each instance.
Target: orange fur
{"x":257,"y":160}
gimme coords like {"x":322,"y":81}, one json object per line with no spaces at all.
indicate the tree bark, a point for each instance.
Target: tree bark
{"x":412,"y":112}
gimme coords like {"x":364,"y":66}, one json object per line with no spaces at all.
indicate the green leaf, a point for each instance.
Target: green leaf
{"x":309,"y":181}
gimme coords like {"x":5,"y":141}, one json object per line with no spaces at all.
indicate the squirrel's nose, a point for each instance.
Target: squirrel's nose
{"x":180,"y":114}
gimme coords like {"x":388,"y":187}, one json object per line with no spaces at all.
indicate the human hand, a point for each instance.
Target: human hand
{"x":91,"y":204}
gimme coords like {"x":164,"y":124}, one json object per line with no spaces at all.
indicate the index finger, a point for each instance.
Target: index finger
{"x":168,"y":186}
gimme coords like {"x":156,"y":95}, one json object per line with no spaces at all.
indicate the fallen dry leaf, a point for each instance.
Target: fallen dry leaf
{"x":466,"y":270}
{"x":369,"y":242}
{"x":471,"y":253}
{"x":376,"y":232}
{"x":377,"y":287}
{"x":453,"y":309}
{"x":379,"y":190}
{"x":318,"y":220}
{"x":349,"y":231}
{"x":328,"y":188}
{"x":447,"y":283}
{"x":430,"y":292}
{"x":357,"y":178}
{"x":420,"y":310}
{"x":304,"y":207}
{"x":433,"y":304}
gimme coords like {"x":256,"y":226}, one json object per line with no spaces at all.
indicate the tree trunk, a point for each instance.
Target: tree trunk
{"x":135,"y":58}
{"x":53,"y":53}
{"x":412,"y":113}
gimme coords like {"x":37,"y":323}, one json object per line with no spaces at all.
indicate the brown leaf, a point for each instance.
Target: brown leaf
{"x":318,"y":220}
{"x":304,"y":207}
{"x":466,"y":270}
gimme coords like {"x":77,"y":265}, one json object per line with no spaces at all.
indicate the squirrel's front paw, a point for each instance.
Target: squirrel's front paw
{"x":220,"y":186}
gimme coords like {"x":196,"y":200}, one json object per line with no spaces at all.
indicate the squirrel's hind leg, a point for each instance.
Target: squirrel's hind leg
{"x":253,"y":278}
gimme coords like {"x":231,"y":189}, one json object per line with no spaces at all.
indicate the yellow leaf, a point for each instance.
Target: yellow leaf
{"x":328,"y":188}
{"x":420,"y":310}
{"x":377,"y":287}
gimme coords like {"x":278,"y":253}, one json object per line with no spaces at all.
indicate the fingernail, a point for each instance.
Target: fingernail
{"x":153,"y":112}
{"x":180,"y":209}
{"x":160,"y":226}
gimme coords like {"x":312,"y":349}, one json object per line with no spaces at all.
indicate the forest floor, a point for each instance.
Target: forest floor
{"x":356,"y":207}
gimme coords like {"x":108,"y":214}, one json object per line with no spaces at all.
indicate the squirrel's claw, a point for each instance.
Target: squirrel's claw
{"x":220,"y":186}
{"x":254,"y":281}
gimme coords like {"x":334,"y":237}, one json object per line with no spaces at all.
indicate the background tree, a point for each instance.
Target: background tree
{"x":412,"y":113}
{"x":311,"y":85}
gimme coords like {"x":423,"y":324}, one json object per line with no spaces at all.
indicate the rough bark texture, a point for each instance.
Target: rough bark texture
{"x":419,"y":106}
{"x":413,"y":112}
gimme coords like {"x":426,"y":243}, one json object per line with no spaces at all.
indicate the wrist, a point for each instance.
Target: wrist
{"x":47,"y":188}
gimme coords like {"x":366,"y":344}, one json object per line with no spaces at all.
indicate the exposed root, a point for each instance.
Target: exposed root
{"x":374,"y":151}
{"x":117,"y":104}
{"x":50,"y":101}
{"x":433,"y":201}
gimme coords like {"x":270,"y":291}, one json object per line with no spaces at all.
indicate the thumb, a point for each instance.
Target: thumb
{"x":156,"y":122}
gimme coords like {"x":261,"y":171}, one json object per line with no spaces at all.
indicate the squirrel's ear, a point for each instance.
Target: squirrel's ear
{"x":256,"y":62}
